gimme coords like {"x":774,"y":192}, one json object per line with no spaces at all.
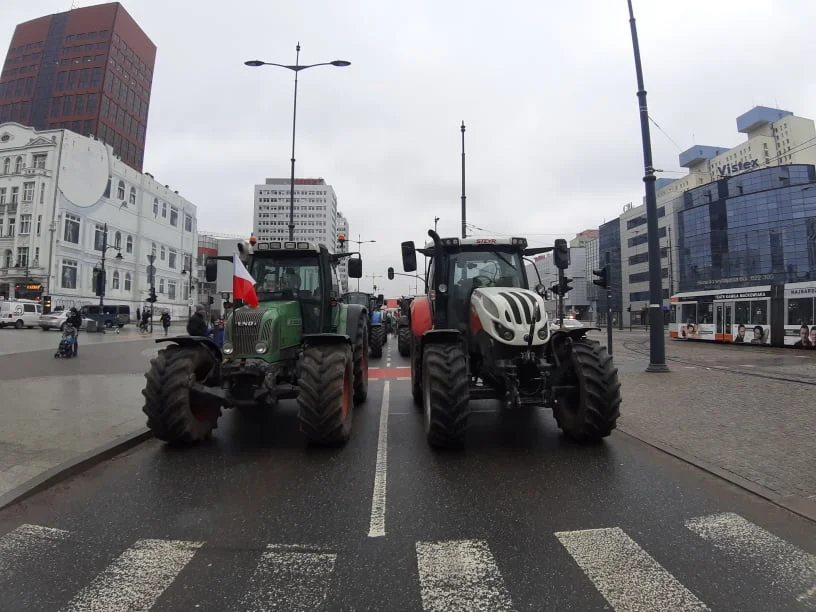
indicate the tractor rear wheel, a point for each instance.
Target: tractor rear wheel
{"x":174,"y":413}
{"x":377,"y":340}
{"x":587,"y":405}
{"x":445,"y":387}
{"x":404,"y":341}
{"x":325,"y":397}
{"x":361,"y":363}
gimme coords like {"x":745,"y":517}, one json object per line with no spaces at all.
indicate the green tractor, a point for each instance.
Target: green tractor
{"x":300,"y":342}
{"x":377,"y":334}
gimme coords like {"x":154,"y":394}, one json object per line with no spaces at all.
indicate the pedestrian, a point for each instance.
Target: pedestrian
{"x":165,"y":320}
{"x":197,"y":325}
{"x":138,"y":314}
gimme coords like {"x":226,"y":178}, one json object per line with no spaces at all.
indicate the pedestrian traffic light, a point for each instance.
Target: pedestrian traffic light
{"x":603,"y":277}
{"x":152,"y":299}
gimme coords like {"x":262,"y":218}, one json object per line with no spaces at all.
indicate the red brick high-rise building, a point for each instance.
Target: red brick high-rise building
{"x":88,"y":70}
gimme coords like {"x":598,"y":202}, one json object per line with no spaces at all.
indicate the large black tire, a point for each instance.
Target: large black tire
{"x":173,"y":413}
{"x":445,"y":395}
{"x":588,"y":412}
{"x":416,"y":372}
{"x":404,"y":341}
{"x":376,"y":340}
{"x":361,"y":363}
{"x":325,"y":397}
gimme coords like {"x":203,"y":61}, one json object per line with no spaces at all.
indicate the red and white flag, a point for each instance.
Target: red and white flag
{"x":243,"y":285}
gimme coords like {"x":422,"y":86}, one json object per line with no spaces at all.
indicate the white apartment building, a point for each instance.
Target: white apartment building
{"x":315,"y":211}
{"x":57,"y":191}
{"x":342,"y":267}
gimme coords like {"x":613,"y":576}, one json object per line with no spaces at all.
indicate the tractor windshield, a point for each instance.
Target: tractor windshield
{"x":288,"y":277}
{"x":472,"y":269}
{"x":357,"y":298}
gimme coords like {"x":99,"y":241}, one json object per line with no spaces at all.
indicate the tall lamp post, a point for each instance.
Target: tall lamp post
{"x":101,"y":281}
{"x":358,"y":242}
{"x":296,"y":68}
{"x":657,"y":340}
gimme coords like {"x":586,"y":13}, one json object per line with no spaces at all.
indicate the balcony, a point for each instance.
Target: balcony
{"x":36,"y":172}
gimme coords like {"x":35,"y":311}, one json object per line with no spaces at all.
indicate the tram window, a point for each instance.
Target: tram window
{"x":759,"y":312}
{"x":705,"y":313}
{"x":689,"y":313}
{"x":800,"y":311}
{"x":673,"y":314}
{"x":742,"y":312}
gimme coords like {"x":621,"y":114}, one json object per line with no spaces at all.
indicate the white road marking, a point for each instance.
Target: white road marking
{"x":771,"y":556}
{"x":288,"y":580}
{"x":24,"y":543}
{"x":376,"y":526}
{"x":460,"y":575}
{"x":626,"y":575}
{"x":137,"y":578}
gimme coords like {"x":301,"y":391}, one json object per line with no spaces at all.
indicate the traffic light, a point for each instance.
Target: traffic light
{"x":99,"y":283}
{"x":629,"y":308}
{"x":152,"y":299}
{"x":46,"y":300}
{"x":603,"y":277}
{"x":565,"y":285}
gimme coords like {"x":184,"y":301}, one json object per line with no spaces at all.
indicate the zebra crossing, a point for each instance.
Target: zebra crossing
{"x":449,"y":575}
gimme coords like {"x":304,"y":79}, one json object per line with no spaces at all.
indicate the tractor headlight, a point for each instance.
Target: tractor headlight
{"x":504,"y":333}
{"x":443,"y":288}
{"x":261,"y":347}
{"x":542,"y":333}
{"x":228,"y":349}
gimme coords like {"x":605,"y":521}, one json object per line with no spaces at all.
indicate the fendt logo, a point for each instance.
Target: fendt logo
{"x":246,"y":324}
{"x":731,"y":168}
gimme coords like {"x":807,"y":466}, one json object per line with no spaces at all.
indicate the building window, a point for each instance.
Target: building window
{"x":2,"y":195}
{"x":153,"y":249}
{"x":164,"y":210}
{"x":39,"y":160}
{"x":174,"y":216}
{"x":128,"y":281}
{"x":18,"y":165}
{"x":155,"y":207}
{"x":71,"y":229}
{"x":22,"y":257}
{"x":171,"y":259}
{"x":25,"y":224}
{"x":129,"y":245}
{"x":188,"y":262}
{"x":28,"y":192}
{"x":115,"y":284}
{"x":8,"y":258}
{"x":42,"y":193}
{"x":7,"y":166}
{"x":163,"y":253}
{"x":171,"y":290}
{"x":120,"y":191}
{"x":69,"y":274}
{"x":39,"y":224}
{"x":117,"y":240}
{"x":36,"y":256}
{"x":99,"y":238}
{"x":10,"y":230}
{"x":161,"y":285}
{"x":15,"y":195}
{"x":132,"y":198}
{"x":188,"y":223}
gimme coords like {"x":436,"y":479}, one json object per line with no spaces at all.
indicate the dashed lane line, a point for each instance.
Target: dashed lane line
{"x":376,"y":527}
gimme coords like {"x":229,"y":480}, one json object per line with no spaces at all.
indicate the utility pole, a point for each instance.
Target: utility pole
{"x":657,"y":340}
{"x":436,"y":221}
{"x":464,"y":198}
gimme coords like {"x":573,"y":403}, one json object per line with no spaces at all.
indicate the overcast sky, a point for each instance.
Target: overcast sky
{"x":546,"y":89}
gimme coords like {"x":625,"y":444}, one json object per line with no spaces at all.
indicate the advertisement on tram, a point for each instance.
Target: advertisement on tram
{"x":800,"y":322}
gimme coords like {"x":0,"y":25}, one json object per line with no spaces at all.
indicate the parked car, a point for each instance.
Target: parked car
{"x":572,"y":323}
{"x":56,"y":320}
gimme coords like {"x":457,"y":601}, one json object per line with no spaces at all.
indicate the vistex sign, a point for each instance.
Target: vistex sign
{"x":738,"y":167}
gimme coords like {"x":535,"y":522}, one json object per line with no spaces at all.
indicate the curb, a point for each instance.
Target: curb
{"x":72,"y":467}
{"x":802,"y":506}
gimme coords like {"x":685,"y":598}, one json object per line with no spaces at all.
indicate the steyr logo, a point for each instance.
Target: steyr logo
{"x":730,"y":168}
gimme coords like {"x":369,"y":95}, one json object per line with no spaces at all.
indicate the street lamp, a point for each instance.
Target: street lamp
{"x":358,"y":242}
{"x":296,"y":68}
{"x":101,"y":280}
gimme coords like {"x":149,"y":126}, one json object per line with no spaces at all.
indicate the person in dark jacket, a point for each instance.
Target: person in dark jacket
{"x":75,"y":321}
{"x":165,"y":320}
{"x":197,"y":325}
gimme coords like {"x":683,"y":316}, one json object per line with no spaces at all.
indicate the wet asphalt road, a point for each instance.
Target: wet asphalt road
{"x":521,"y":520}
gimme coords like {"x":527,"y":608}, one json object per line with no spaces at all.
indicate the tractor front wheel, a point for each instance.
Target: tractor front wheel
{"x":445,"y":394}
{"x":325,"y":397}
{"x":377,"y":340}
{"x":587,"y":395}
{"x":404,"y":341}
{"x":174,"y":413}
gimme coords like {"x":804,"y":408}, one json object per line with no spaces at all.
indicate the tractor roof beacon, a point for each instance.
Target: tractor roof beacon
{"x":481,"y":333}
{"x":301,"y":342}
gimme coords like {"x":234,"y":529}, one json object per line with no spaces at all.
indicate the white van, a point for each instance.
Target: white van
{"x":20,"y":313}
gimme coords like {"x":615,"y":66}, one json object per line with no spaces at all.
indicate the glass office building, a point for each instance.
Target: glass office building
{"x":755,"y":228}
{"x":609,"y":253}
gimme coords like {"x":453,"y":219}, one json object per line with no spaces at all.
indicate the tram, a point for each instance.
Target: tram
{"x":771,"y":315}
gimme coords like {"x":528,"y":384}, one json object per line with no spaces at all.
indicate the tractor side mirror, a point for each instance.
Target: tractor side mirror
{"x":355,"y":267}
{"x":380,"y":300}
{"x":542,"y":291}
{"x":390,"y":273}
{"x":409,"y":260}
{"x":211,"y":270}
{"x":561,"y":254}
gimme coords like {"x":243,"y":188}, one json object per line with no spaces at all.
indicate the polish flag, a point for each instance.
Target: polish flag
{"x":243,"y":285}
